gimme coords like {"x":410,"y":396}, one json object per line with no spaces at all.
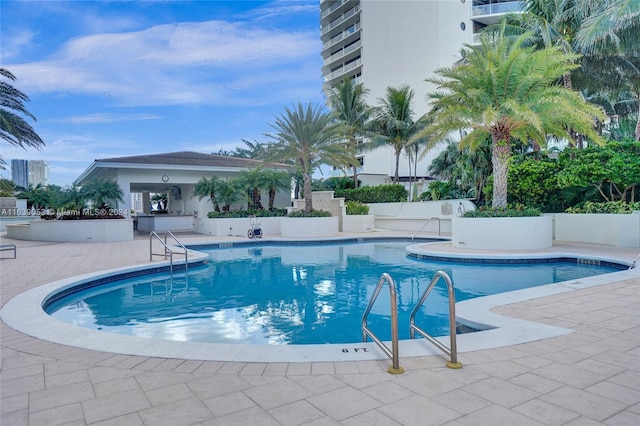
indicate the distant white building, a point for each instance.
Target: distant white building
{"x":398,"y":42}
{"x":38,"y":173}
{"x":29,"y":172}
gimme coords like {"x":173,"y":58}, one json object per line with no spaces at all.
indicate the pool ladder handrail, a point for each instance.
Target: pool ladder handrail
{"x":392,"y":353}
{"x":425,"y":224}
{"x":168,"y":250}
{"x":452,"y":350}
{"x":635,"y":262}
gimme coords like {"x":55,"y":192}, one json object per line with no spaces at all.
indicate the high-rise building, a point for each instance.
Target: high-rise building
{"x":38,"y":173}
{"x":20,"y":173}
{"x":29,"y":172}
{"x":392,"y":43}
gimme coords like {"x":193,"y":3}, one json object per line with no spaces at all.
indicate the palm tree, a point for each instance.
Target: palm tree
{"x":306,"y":137}
{"x":351,"y":111}
{"x":208,"y":188}
{"x":229,"y":192}
{"x":507,"y":91}
{"x":36,"y":196}
{"x":253,"y":180}
{"x":13,"y":128}
{"x":101,"y":191}
{"x":276,"y":180}
{"x":612,"y":32}
{"x":392,"y":123}
{"x":613,"y":23}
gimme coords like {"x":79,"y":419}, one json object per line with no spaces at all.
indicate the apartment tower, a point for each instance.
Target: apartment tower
{"x":390,"y":43}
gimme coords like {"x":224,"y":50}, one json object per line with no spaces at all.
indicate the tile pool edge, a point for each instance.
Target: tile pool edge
{"x":25,"y":314}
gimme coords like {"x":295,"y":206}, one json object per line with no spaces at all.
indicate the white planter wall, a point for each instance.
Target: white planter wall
{"x":612,"y":229}
{"x":411,"y":217}
{"x":308,"y":227}
{"x":93,"y":230}
{"x":236,"y":226}
{"x":503,"y":233}
{"x":358,"y":223}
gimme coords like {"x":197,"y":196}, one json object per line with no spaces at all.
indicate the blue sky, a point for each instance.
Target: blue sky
{"x":119,"y":78}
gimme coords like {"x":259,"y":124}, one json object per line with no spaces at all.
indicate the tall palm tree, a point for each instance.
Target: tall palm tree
{"x":13,"y":128}
{"x":350,"y":109}
{"x":307,"y":137}
{"x":393,"y":124}
{"x":506,"y":91}
{"x":208,"y":188}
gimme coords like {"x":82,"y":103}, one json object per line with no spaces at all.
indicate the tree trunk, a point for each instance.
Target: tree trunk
{"x":638,"y":125}
{"x":355,"y":176}
{"x":500,"y":153}
{"x":308,"y":198}
{"x":272,"y":198}
{"x":396,"y":177}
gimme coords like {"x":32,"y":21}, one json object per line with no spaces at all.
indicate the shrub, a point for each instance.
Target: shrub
{"x":608,"y":207}
{"x":246,"y":213}
{"x":508,"y":212}
{"x":392,"y":193}
{"x":357,"y":209}
{"x":312,"y":213}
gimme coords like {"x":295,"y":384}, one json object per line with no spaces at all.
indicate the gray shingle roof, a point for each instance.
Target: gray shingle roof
{"x":190,"y":158}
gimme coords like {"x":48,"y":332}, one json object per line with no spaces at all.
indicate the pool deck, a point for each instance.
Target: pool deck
{"x":587,"y":376}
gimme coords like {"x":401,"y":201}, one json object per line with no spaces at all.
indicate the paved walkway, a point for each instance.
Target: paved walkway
{"x":588,"y":377}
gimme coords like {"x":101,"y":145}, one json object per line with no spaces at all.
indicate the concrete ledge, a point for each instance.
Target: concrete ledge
{"x":90,"y":230}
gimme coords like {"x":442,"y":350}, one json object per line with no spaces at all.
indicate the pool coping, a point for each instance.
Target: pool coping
{"x":25,"y":314}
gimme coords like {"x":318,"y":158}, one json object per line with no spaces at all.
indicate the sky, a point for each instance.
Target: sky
{"x":119,"y":78}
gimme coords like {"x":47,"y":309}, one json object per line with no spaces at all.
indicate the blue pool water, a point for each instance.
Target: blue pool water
{"x":277,"y":294}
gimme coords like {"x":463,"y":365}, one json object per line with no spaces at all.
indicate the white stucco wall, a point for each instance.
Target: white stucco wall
{"x":403,"y":42}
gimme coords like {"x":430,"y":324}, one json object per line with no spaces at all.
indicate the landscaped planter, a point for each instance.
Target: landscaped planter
{"x":358,"y":223}
{"x":602,"y":228}
{"x":90,"y":230}
{"x":502,"y":233}
{"x":308,"y":227}
{"x":235,"y":226}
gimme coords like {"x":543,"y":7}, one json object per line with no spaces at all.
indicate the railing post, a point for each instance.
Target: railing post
{"x":394,"y":352}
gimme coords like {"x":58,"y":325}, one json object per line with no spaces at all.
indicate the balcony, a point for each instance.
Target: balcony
{"x":343,"y":70}
{"x":331,"y":8}
{"x":339,"y":37}
{"x":339,"y":20}
{"x":491,"y":11}
{"x":341,"y":54}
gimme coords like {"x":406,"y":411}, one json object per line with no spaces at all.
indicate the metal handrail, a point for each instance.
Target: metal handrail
{"x":634,"y":263}
{"x":452,"y":351}
{"x":167,"y":250}
{"x":425,"y":224}
{"x":186,"y":252}
{"x":393,"y":352}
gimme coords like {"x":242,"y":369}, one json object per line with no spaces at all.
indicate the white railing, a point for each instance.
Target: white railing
{"x":496,"y":8}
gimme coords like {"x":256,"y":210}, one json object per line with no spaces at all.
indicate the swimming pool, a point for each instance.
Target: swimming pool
{"x":279,"y":294}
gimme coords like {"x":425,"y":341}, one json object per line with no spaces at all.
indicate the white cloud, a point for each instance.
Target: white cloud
{"x":106,"y":118}
{"x":14,"y":43}
{"x":186,"y":63}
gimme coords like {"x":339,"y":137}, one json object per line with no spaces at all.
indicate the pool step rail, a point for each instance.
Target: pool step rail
{"x":452,"y":350}
{"x":168,"y":250}
{"x":392,"y":353}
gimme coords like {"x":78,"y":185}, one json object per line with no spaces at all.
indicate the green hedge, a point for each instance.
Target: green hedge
{"x":375,"y":194}
{"x":312,"y":213}
{"x":508,"y":212}
{"x":357,"y":209}
{"x":246,"y":213}
{"x":609,"y":207}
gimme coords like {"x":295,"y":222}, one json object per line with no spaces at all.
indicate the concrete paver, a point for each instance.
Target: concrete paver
{"x":588,"y":377}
